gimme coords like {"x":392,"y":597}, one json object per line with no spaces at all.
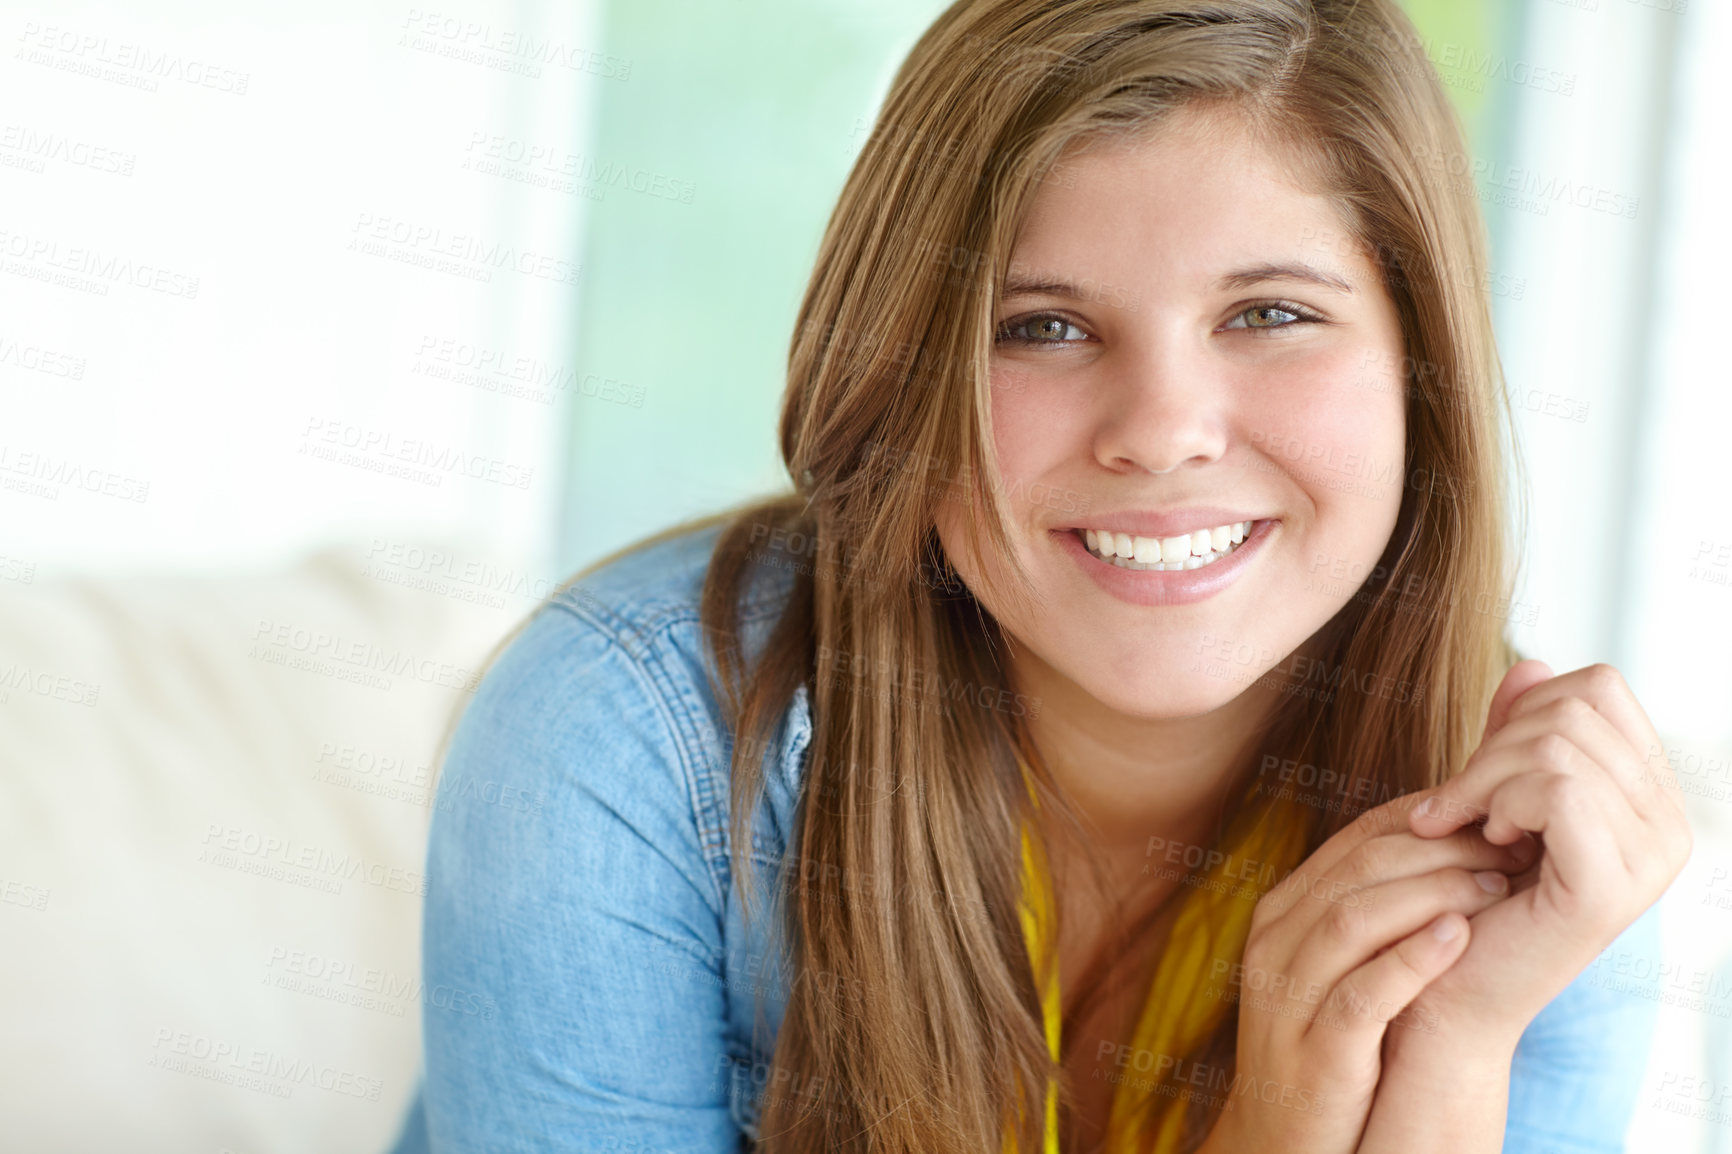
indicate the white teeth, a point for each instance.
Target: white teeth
{"x":1188,"y":551}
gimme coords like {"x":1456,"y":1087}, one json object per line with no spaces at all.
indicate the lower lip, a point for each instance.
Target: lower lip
{"x":1166,"y":586}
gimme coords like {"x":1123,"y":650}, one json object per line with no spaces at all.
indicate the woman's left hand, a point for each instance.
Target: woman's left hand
{"x":1572,"y":764}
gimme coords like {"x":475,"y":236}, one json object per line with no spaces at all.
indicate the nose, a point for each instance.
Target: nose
{"x":1165,"y":407}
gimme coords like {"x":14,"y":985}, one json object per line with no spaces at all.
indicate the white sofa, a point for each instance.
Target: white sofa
{"x":214,"y":798}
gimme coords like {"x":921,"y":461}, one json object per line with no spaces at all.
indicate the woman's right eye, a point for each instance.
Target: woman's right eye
{"x":1040,"y":329}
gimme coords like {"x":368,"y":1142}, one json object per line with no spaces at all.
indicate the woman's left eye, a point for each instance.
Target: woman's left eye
{"x":1040,"y":329}
{"x":1271,"y":316}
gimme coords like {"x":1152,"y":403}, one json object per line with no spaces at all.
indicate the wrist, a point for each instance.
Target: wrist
{"x":1437,"y":1034}
{"x":1458,"y":1055}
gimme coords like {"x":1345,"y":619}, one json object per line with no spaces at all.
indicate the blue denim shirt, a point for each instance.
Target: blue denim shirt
{"x":584,"y":914}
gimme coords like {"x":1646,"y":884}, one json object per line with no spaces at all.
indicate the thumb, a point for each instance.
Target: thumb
{"x":1521,"y":677}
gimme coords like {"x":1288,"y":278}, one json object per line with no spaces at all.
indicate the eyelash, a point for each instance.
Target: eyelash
{"x":1301,"y":314}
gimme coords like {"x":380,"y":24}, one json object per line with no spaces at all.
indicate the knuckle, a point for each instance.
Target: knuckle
{"x":1553,"y":749}
{"x":1369,"y":861}
{"x":1411,"y":975}
{"x":1268,"y":908}
{"x":1572,"y":709}
{"x":1604,"y":678}
{"x":1371,"y":822}
{"x":1348,"y":998}
{"x":1562,"y":793}
{"x":1343,"y":922}
{"x":1459,"y":888}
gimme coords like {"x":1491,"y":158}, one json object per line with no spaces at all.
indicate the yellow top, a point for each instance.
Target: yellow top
{"x":1190,"y":992}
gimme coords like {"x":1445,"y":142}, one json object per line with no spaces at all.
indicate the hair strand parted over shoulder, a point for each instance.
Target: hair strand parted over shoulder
{"x":913,"y":1023}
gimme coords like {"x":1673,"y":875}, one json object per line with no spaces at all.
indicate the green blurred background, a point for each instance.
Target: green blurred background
{"x":694,"y":303}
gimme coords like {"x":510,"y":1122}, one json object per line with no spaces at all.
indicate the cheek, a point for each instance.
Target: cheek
{"x":1336,"y":428}
{"x":1036,"y":426}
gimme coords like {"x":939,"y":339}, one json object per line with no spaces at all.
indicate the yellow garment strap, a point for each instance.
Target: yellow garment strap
{"x":1190,"y":991}
{"x":1036,"y":912}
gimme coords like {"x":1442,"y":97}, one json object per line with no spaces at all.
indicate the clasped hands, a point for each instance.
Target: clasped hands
{"x":1474,"y":904}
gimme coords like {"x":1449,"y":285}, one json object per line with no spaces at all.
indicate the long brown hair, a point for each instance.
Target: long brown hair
{"x":913,"y":1024}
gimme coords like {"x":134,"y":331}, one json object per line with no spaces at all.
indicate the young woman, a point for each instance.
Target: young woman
{"x":1112,"y":743}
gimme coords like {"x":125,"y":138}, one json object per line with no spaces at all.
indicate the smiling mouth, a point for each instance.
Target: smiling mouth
{"x":1187,"y":551}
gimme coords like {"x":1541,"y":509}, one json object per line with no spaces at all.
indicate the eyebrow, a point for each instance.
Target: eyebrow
{"x":1262,"y":273}
{"x":1018,"y":285}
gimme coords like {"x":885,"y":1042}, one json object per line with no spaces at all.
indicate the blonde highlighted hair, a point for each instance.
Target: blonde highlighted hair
{"x":920,"y":1019}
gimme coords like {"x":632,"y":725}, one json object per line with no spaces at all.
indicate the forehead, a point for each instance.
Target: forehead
{"x":1195,"y":192}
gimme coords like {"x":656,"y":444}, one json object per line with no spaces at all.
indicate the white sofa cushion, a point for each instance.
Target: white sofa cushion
{"x":214,"y":797}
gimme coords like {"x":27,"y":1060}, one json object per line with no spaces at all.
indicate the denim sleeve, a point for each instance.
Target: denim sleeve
{"x":582,"y":910}
{"x":1578,"y":1067}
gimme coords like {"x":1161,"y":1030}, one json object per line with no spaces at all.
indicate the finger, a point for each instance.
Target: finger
{"x":1567,"y":736}
{"x":1587,"y":825}
{"x":1517,"y":680}
{"x":1589,"y":730}
{"x":1604,"y":688}
{"x":1350,"y":935}
{"x":1392,"y":817}
{"x":1371,"y":996}
{"x":1383,"y":859}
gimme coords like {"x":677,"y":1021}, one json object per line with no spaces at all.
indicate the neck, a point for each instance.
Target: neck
{"x":1134,"y":779}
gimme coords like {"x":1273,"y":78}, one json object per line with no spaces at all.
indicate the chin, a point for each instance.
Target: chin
{"x":1172,"y":689}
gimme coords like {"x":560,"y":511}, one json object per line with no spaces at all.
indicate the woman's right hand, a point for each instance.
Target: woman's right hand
{"x":1336,"y":950}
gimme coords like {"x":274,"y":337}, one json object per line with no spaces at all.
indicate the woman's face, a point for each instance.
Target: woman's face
{"x":1186,"y":344}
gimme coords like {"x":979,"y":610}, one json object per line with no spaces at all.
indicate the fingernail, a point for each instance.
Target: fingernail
{"x":1445,"y":929}
{"x":1491,"y":881}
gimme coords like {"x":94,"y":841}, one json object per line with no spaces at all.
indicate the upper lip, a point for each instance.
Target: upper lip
{"x":1168,"y":523}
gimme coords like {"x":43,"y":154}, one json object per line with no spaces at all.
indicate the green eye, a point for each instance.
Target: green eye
{"x":1041,"y":329}
{"x":1268,"y":317}
{"x":1276,"y":315}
